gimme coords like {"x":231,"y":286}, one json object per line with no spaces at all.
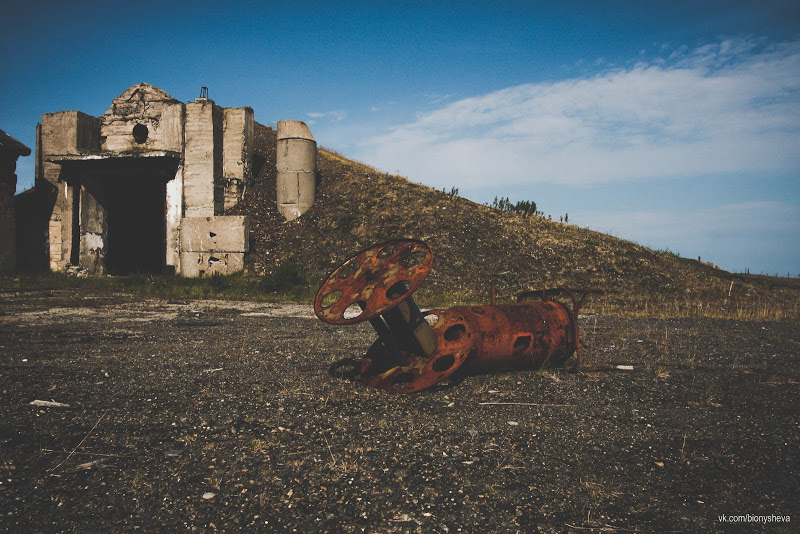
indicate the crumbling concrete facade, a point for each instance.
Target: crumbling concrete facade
{"x":148,"y":186}
{"x":10,"y":151}
{"x":125,"y":185}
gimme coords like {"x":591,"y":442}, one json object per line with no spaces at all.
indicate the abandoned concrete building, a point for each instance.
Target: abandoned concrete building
{"x":10,"y":151}
{"x":147,"y":187}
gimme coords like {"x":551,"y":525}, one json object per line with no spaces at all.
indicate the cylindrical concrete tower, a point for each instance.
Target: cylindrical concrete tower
{"x":297,"y":169}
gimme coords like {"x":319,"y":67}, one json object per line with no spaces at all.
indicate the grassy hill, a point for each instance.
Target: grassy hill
{"x":473,"y":245}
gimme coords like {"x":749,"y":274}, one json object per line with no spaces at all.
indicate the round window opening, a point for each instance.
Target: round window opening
{"x":140,"y":132}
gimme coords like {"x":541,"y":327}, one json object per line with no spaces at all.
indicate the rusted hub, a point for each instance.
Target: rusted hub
{"x":373,"y":282}
{"x":407,"y":372}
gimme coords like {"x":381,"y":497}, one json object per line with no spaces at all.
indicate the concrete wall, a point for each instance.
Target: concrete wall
{"x":149,"y":106}
{"x":202,"y":169}
{"x":296,"y":161}
{"x":69,"y":132}
{"x":237,"y":154}
{"x":213,"y":245}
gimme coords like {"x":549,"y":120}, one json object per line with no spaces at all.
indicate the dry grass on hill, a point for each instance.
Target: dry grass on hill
{"x":473,"y":245}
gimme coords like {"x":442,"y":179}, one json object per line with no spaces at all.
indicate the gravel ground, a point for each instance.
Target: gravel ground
{"x":221,"y":416}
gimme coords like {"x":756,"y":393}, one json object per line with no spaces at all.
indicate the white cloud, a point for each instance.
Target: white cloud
{"x":728,"y":107}
{"x":333,"y":116}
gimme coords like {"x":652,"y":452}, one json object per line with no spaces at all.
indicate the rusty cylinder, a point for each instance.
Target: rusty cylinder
{"x":511,"y":336}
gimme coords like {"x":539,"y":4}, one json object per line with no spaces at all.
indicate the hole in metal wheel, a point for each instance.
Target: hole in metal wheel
{"x":347,"y":270}
{"x":431,"y":319}
{"x":387,"y":251}
{"x":413,"y":259}
{"x":443,"y":363}
{"x":354,"y":310}
{"x":331,"y":298}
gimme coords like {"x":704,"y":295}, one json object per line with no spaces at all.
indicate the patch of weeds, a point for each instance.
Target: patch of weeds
{"x":217,"y":282}
{"x":509,"y":277}
{"x":286,"y":277}
{"x":670,"y":254}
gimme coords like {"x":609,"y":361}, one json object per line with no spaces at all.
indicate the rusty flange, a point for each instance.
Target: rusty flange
{"x":373,"y":282}
{"x":407,"y":372}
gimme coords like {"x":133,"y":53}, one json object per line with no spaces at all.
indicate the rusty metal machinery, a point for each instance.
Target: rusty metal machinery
{"x":416,"y":349}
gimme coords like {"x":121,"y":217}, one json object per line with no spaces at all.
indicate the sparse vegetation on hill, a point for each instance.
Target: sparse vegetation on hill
{"x":474,"y":245}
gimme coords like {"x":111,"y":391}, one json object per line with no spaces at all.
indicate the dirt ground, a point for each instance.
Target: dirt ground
{"x":222,"y":417}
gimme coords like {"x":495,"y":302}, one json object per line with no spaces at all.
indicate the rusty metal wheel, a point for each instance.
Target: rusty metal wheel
{"x":373,"y":282}
{"x":413,"y":372}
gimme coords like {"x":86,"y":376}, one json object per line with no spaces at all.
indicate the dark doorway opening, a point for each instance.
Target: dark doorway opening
{"x":136,"y":211}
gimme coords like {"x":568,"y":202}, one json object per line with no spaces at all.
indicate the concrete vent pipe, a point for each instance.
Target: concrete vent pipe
{"x":297,"y":169}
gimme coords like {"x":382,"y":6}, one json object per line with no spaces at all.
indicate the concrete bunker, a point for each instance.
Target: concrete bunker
{"x":147,"y":187}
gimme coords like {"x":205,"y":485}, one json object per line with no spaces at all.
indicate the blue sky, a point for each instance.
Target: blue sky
{"x":675,"y":124}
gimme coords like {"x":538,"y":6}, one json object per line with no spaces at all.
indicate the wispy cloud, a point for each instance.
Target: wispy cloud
{"x":731,"y":106}
{"x":332,"y":116}
{"x":383,"y":106}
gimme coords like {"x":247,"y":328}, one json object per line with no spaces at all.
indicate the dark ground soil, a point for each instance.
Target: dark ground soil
{"x":204,"y":417}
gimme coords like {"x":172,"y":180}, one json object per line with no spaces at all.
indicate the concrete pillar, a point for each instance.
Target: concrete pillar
{"x":237,"y":153}
{"x":297,"y":169}
{"x":202,"y":171}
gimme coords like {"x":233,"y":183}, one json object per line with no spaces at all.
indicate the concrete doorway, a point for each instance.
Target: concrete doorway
{"x":136,"y":225}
